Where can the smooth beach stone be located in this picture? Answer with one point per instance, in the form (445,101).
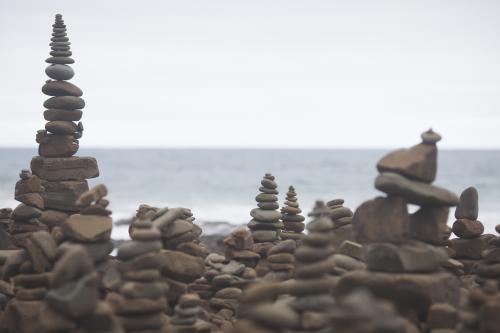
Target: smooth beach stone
(335,202)
(351,249)
(60,48)
(270,184)
(95,210)
(60,72)
(264,235)
(75,299)
(291,210)
(418,162)
(268,205)
(470,248)
(25,212)
(144,275)
(65,103)
(96,251)
(414,192)
(465,228)
(181,266)
(428,224)
(88,228)
(292,218)
(265,215)
(340,212)
(146,234)
(61,53)
(287,246)
(268,191)
(60,43)
(61,88)
(46,243)
(58,146)
(381,220)
(430,137)
(132,249)
(342,221)
(31,184)
(492,254)
(276,316)
(257,225)
(60,60)
(317,239)
(232,268)
(150,290)
(281,258)
(59,39)
(320,225)
(62,195)
(61,127)
(346,262)
(294,226)
(264,197)
(468,207)
(65,168)
(312,254)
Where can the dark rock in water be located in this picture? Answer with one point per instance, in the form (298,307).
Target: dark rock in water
(57,114)
(465,228)
(65,168)
(61,88)
(65,103)
(428,224)
(381,220)
(418,162)
(468,207)
(413,191)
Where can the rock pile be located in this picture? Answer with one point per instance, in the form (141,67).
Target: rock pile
(471,243)
(141,302)
(265,224)
(293,222)
(72,303)
(341,217)
(481,311)
(62,175)
(185,319)
(5,222)
(240,247)
(26,215)
(399,251)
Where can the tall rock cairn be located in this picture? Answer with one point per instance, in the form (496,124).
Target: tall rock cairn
(401,247)
(265,224)
(62,174)
(141,302)
(293,222)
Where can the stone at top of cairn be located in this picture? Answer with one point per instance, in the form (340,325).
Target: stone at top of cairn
(292,220)
(266,223)
(61,134)
(430,137)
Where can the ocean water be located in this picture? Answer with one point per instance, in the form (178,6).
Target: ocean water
(220,185)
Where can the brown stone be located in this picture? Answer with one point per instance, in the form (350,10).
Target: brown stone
(65,168)
(381,220)
(418,162)
(53,218)
(181,266)
(29,185)
(428,224)
(25,212)
(21,317)
(31,199)
(125,306)
(61,88)
(58,114)
(62,195)
(58,146)
(465,228)
(442,316)
(470,248)
(88,228)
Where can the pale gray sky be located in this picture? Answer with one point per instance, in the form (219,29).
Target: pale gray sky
(261,73)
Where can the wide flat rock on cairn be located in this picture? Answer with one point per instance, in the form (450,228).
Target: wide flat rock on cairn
(140,302)
(293,222)
(62,175)
(265,224)
(403,252)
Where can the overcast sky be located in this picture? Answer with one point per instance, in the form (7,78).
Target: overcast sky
(260,73)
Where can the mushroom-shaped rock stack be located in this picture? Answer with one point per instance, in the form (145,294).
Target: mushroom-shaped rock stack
(400,248)
(26,215)
(265,224)
(141,302)
(293,222)
(63,176)
(72,303)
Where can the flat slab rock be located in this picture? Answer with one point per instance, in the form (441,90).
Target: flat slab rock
(414,192)
(62,195)
(65,168)
(408,291)
(88,228)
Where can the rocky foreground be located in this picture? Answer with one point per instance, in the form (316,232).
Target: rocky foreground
(379,269)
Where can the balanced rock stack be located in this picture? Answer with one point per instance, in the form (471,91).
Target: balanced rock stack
(293,222)
(313,280)
(72,303)
(141,301)
(26,215)
(63,176)
(185,319)
(399,250)
(5,222)
(28,270)
(239,247)
(265,224)
(341,217)
(281,261)
(471,244)
(92,227)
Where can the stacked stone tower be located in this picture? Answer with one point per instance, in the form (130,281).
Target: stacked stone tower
(293,222)
(62,175)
